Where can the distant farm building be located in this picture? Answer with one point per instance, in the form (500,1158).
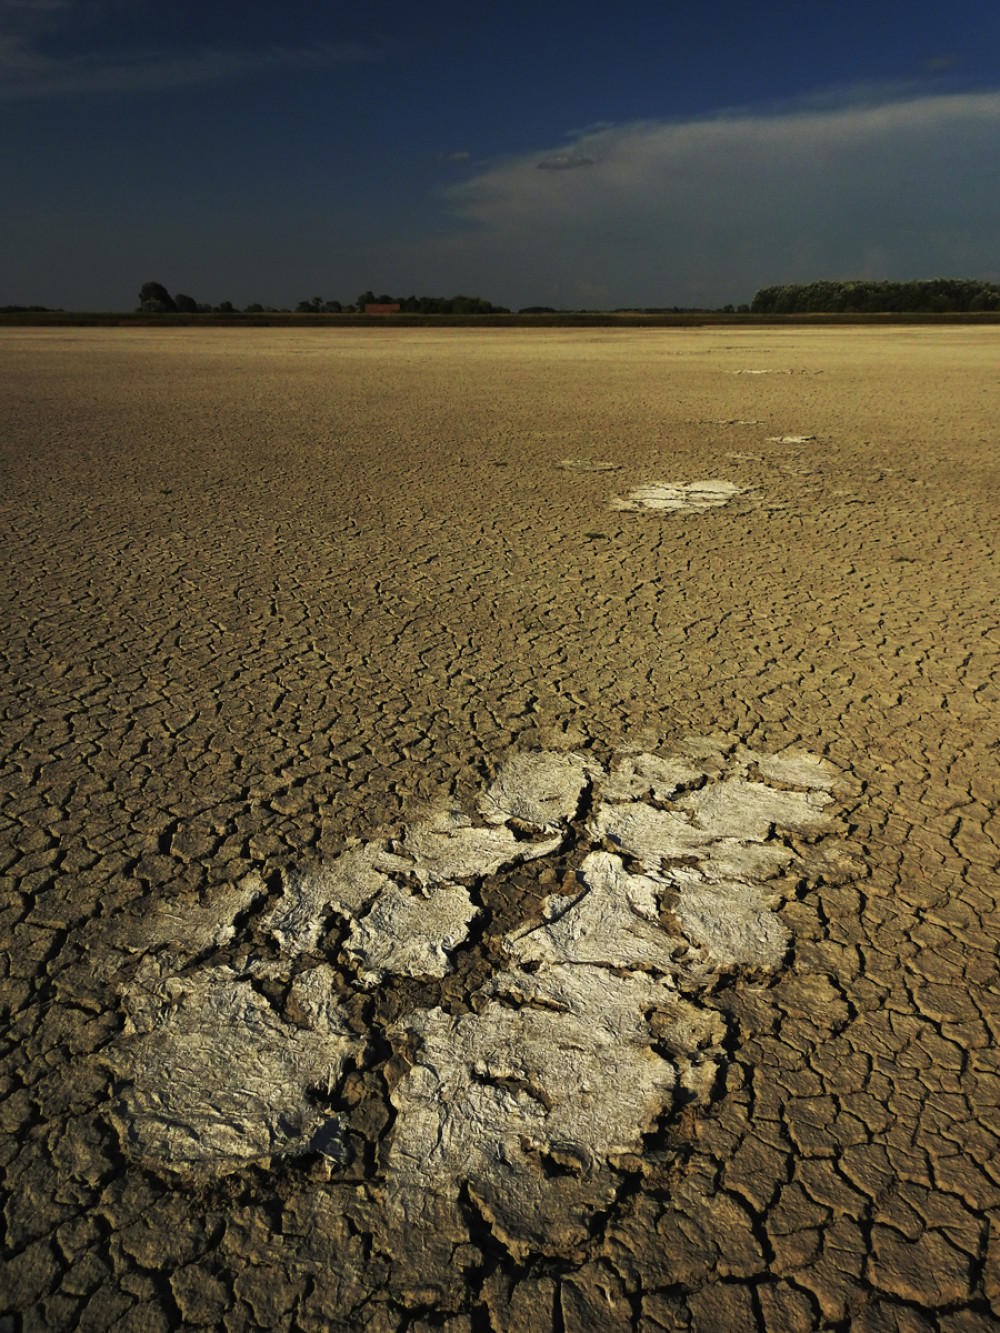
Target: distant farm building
(381,308)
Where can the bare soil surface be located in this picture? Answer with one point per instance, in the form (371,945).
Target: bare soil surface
(699,1032)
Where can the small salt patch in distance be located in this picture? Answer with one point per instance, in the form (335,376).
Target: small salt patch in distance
(588,465)
(693,496)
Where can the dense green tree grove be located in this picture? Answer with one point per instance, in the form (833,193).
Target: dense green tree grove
(935,295)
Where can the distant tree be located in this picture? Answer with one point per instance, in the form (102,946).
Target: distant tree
(187,305)
(254,309)
(155,299)
(226,308)
(366,298)
(332,307)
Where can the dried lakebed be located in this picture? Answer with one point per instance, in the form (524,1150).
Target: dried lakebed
(219,668)
(532,1098)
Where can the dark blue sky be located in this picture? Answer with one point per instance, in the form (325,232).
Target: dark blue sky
(558,153)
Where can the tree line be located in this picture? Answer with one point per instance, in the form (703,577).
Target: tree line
(409,305)
(154,299)
(931,296)
(824,296)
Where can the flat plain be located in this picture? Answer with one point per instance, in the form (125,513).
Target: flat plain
(278,598)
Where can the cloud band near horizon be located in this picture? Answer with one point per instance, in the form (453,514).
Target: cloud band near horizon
(696,213)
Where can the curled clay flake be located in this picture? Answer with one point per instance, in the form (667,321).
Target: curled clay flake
(798,768)
(643,775)
(650,835)
(449,846)
(748,810)
(570,1075)
(541,790)
(346,885)
(522,1106)
(754,861)
(733,924)
(407,936)
(223,1081)
(613,923)
(190,928)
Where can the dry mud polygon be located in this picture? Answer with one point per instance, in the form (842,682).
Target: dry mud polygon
(668,1037)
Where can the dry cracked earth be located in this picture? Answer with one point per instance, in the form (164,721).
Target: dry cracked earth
(499,830)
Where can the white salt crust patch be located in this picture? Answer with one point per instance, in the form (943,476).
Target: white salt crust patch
(678,496)
(614,922)
(346,887)
(193,928)
(218,1079)
(556,1072)
(576,1046)
(589,465)
(407,936)
(647,775)
(541,790)
(449,846)
(790,439)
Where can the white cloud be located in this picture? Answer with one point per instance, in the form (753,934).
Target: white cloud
(706,211)
(565,161)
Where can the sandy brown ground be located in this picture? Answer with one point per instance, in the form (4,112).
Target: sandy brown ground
(267,591)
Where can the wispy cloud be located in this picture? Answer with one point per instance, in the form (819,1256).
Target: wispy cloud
(940,64)
(565,161)
(27,72)
(705,211)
